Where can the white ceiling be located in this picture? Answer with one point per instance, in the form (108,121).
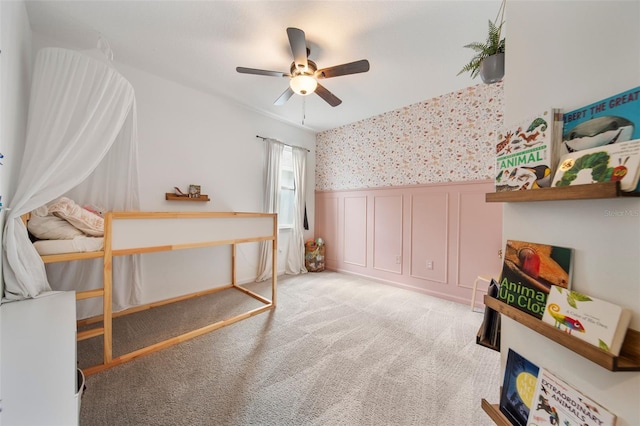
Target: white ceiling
(415,48)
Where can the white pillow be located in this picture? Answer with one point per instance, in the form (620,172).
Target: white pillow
(83,219)
(52,228)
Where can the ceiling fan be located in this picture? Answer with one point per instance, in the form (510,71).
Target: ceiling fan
(304,73)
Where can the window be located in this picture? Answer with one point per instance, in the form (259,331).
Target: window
(287,189)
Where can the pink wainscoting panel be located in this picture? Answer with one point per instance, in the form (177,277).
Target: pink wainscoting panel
(429,226)
(387,233)
(355,230)
(479,238)
(449,224)
(327,226)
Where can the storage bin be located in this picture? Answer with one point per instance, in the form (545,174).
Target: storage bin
(314,255)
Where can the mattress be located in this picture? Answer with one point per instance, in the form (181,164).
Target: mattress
(76,245)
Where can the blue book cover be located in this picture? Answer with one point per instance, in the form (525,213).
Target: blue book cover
(518,388)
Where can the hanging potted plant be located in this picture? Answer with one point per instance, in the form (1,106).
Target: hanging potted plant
(489,59)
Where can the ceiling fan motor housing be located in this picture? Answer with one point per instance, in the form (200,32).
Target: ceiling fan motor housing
(311,69)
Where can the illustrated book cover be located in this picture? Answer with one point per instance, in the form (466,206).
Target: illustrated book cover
(607,163)
(593,320)
(528,151)
(528,272)
(557,403)
(518,388)
(611,120)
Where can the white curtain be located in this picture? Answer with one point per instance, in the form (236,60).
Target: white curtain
(295,258)
(113,185)
(271,201)
(79,106)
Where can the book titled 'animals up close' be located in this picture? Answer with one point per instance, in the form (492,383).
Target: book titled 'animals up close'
(528,272)
(593,320)
(527,152)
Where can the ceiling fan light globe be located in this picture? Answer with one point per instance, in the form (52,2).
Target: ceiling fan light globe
(303,84)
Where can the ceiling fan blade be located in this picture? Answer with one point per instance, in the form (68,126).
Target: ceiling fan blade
(284,97)
(243,70)
(298,47)
(344,69)
(329,97)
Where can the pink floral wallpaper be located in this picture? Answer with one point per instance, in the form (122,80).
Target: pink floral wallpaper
(450,138)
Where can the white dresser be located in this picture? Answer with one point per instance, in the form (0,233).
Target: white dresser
(38,371)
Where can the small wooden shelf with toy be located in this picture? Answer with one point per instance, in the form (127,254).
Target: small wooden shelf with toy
(578,192)
(628,360)
(174,197)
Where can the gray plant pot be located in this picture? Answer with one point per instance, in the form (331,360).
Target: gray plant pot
(492,68)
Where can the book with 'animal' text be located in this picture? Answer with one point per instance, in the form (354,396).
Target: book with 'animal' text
(557,403)
(528,272)
(527,152)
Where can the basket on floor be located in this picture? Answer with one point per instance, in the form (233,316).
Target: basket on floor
(314,255)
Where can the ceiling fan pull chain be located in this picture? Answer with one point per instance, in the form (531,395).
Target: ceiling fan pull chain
(304,109)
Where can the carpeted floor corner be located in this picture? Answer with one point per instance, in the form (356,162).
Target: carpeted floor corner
(337,350)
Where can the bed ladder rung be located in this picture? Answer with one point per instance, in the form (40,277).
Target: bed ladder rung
(88,334)
(81,295)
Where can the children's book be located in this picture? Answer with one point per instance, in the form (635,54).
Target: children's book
(528,151)
(518,387)
(559,404)
(528,272)
(607,121)
(607,163)
(593,320)
(611,120)
(489,314)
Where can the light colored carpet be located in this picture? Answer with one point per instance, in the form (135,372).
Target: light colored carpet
(337,350)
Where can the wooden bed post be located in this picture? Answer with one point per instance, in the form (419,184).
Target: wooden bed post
(274,260)
(233,265)
(107,306)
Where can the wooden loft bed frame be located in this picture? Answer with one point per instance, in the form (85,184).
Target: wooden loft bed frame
(128,233)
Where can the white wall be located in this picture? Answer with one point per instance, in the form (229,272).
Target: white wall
(15,71)
(572,54)
(189,137)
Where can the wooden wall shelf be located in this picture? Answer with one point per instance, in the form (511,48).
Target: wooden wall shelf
(578,192)
(173,197)
(493,410)
(628,360)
